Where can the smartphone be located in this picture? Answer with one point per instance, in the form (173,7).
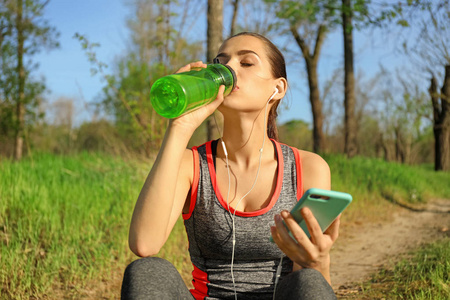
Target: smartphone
(325,205)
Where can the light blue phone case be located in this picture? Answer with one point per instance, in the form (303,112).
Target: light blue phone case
(325,205)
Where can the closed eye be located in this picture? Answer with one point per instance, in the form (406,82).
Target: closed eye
(246,64)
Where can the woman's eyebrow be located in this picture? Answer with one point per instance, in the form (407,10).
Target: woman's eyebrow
(240,52)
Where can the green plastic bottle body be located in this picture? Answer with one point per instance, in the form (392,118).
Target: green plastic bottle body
(174,95)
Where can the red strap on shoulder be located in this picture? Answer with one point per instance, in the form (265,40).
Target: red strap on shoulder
(194,187)
(298,164)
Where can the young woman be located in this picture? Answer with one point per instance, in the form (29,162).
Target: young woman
(233,193)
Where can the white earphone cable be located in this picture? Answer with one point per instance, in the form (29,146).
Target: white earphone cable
(233,216)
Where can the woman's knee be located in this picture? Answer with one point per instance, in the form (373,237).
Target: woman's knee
(148,265)
(304,284)
(152,278)
(308,276)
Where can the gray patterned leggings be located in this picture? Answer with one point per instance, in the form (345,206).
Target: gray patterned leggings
(156,278)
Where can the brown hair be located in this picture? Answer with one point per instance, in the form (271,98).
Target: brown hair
(278,64)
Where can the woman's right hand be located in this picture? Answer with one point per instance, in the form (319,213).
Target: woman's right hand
(192,120)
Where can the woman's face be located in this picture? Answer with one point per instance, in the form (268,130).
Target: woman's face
(247,55)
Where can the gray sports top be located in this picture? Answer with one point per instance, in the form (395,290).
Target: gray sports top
(209,230)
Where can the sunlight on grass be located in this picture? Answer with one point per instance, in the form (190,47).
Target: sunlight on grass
(425,274)
(64,219)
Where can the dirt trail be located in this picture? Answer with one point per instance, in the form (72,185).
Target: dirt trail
(362,249)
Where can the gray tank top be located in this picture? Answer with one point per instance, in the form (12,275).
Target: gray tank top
(209,230)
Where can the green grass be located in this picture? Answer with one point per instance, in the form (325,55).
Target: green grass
(368,177)
(370,180)
(423,275)
(64,219)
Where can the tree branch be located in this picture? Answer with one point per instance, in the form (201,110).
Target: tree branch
(233,19)
(319,41)
(434,100)
(301,43)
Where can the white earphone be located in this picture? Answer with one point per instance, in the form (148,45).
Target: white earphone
(273,95)
(232,216)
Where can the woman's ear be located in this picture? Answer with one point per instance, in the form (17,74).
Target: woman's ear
(281,86)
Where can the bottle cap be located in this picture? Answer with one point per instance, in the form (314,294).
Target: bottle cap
(234,76)
(217,62)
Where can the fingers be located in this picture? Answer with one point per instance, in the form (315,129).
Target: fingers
(281,230)
(211,107)
(282,238)
(188,67)
(296,231)
(306,252)
(333,229)
(313,226)
(298,248)
(299,237)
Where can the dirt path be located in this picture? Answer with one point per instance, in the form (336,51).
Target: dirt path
(364,248)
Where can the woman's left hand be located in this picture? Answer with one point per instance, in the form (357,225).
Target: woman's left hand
(306,252)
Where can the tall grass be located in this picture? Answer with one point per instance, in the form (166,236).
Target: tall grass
(371,177)
(64,219)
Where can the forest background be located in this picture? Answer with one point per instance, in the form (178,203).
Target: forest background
(341,101)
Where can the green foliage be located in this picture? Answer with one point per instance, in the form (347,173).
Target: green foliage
(37,35)
(308,12)
(425,275)
(156,49)
(97,136)
(296,133)
(89,48)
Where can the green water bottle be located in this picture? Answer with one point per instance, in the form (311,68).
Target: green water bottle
(176,94)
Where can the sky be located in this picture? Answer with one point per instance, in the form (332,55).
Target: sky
(67,69)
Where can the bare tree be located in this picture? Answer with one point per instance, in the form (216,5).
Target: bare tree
(441,122)
(349,82)
(311,57)
(430,52)
(214,40)
(309,22)
(234,17)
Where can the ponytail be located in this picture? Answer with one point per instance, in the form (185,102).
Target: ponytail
(272,130)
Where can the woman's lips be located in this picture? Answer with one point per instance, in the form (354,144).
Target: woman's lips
(235,88)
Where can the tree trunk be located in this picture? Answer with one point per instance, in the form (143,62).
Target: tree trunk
(350,147)
(316,107)
(399,145)
(436,126)
(233,19)
(441,122)
(311,61)
(214,40)
(445,116)
(20,111)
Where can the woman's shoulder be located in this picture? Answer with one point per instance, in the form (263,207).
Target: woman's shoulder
(187,164)
(315,170)
(312,159)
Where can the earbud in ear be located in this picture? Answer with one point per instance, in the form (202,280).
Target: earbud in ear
(273,95)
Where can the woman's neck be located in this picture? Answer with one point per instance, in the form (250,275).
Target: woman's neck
(244,137)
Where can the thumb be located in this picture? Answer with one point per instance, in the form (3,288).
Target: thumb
(211,107)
